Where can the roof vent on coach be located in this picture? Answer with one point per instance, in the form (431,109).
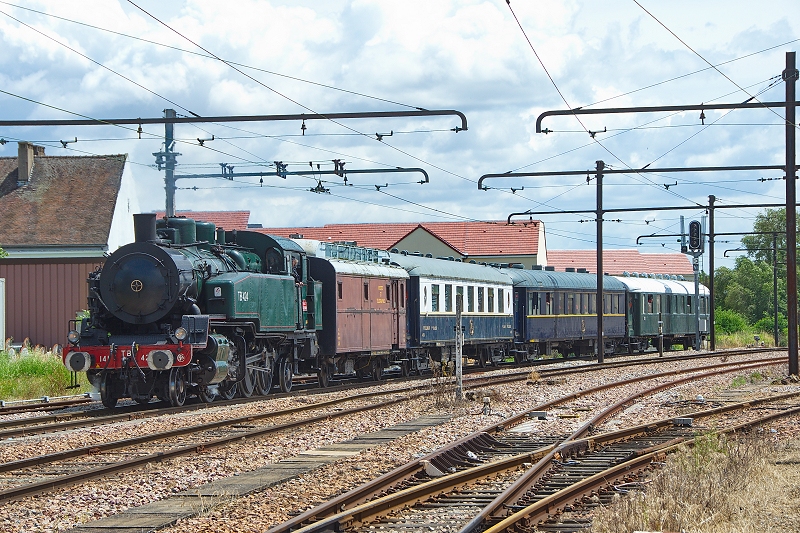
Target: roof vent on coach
(536,267)
(473,262)
(429,256)
(295,235)
(519,266)
(569,269)
(582,271)
(394,251)
(550,268)
(626,274)
(635,274)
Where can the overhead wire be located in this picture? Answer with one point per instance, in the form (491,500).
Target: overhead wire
(684,43)
(641,177)
(288,98)
(183,50)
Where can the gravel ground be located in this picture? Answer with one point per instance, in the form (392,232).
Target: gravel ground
(63,509)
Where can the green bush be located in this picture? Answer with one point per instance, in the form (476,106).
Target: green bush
(727,321)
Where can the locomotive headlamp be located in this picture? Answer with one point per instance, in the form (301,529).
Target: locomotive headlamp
(181,333)
(73,337)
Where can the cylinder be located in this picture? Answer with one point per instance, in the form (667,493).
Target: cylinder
(205,232)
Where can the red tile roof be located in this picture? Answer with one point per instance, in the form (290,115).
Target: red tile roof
(468,238)
(618,261)
(228,220)
(68,201)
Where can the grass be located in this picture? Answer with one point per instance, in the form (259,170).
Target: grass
(718,485)
(33,373)
(744,338)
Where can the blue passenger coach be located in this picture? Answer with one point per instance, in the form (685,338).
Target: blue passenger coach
(487,313)
(558,311)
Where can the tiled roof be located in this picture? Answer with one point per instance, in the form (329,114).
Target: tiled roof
(468,238)
(67,201)
(618,261)
(228,220)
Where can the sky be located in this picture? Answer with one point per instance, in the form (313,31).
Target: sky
(501,65)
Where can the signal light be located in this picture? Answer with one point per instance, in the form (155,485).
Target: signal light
(695,235)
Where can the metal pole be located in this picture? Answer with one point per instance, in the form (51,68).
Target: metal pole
(169,180)
(696,266)
(775,286)
(713,333)
(459,348)
(790,77)
(600,344)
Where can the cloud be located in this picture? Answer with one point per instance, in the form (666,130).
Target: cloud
(465,55)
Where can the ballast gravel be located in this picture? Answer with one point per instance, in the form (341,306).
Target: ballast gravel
(63,509)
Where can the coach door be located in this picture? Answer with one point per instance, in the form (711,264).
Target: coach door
(398,316)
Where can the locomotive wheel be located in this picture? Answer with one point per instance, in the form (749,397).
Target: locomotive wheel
(264,379)
(248,385)
(106,392)
(285,376)
(227,390)
(377,369)
(205,395)
(177,387)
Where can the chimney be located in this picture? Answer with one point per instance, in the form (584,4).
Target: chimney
(25,157)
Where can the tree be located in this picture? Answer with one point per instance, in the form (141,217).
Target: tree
(760,246)
(746,290)
(3,253)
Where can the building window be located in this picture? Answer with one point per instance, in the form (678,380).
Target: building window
(435,298)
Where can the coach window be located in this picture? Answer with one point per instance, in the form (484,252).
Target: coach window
(366,291)
(617,304)
(592,304)
(657,306)
(689,308)
(339,289)
(570,309)
(403,295)
(533,303)
(448,298)
(584,303)
(607,304)
(548,303)
(460,292)
(480,299)
(490,300)
(561,298)
(500,300)
(648,304)
(435,298)
(470,299)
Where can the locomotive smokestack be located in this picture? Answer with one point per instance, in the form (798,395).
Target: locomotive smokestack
(144,227)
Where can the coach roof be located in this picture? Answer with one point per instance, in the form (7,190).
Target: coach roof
(547,279)
(443,268)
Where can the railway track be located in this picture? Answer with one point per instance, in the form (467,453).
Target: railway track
(93,416)
(46,404)
(476,482)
